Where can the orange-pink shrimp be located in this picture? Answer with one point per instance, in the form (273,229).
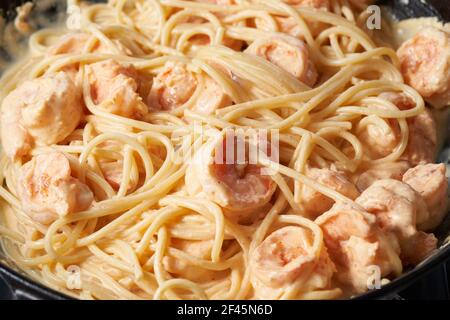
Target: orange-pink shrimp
(48,190)
(288,53)
(112,171)
(431,183)
(425,64)
(204,40)
(285,258)
(118,88)
(290,26)
(239,188)
(314,202)
(75,43)
(172,87)
(175,85)
(380,141)
(397,208)
(422,137)
(357,245)
(394,170)
(422,143)
(41,111)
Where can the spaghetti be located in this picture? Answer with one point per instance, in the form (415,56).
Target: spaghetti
(146,234)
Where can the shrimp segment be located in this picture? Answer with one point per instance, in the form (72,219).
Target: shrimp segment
(288,53)
(314,202)
(175,85)
(422,138)
(284,258)
(422,144)
(394,170)
(118,89)
(75,43)
(425,64)
(204,40)
(41,111)
(48,191)
(239,188)
(399,99)
(72,43)
(112,171)
(398,208)
(380,136)
(172,87)
(212,97)
(356,245)
(382,139)
(431,183)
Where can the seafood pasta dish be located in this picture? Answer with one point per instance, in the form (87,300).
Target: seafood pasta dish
(222,149)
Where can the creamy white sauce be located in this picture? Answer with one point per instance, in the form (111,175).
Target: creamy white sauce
(401,31)
(406,29)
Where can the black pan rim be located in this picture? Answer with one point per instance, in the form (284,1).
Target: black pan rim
(390,290)
(19,282)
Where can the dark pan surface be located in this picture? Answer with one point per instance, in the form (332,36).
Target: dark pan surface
(404,9)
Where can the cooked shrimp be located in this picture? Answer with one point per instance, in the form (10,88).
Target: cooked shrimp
(41,111)
(356,244)
(422,138)
(117,89)
(240,189)
(380,137)
(290,26)
(314,202)
(172,87)
(75,43)
(71,43)
(285,258)
(212,97)
(175,85)
(425,64)
(183,269)
(204,40)
(399,99)
(431,183)
(422,143)
(393,170)
(113,173)
(288,53)
(48,191)
(381,140)
(398,208)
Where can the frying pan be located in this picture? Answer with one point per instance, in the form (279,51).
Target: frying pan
(20,286)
